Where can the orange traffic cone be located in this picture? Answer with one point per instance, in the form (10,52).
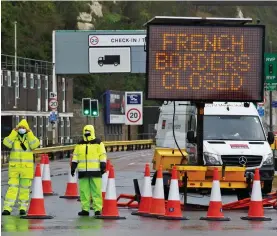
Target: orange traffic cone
(146,196)
(105,179)
(158,203)
(110,210)
(215,206)
(36,208)
(256,210)
(173,206)
(46,179)
(71,191)
(42,161)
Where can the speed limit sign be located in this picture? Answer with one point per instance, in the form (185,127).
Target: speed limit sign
(53,103)
(133,108)
(133,115)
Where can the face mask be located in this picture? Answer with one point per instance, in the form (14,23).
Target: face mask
(22,131)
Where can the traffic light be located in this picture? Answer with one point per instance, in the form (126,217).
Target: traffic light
(86,106)
(270,69)
(94,108)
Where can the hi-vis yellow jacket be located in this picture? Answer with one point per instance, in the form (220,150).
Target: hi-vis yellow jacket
(89,155)
(21,162)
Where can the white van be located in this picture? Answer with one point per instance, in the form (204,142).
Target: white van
(233,135)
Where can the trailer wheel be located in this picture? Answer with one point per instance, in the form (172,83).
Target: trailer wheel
(115,64)
(100,63)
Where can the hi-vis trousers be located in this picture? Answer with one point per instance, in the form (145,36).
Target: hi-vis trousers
(91,187)
(15,184)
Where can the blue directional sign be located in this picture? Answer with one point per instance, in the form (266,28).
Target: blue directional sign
(53,116)
(261,111)
(133,99)
(274,104)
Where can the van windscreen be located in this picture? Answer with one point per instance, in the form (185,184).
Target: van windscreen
(223,127)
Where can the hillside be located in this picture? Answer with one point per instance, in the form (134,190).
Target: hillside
(36,20)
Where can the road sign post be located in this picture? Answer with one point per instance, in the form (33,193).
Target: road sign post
(270,68)
(270,72)
(53,104)
(134,108)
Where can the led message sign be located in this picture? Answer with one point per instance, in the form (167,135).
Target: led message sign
(205,63)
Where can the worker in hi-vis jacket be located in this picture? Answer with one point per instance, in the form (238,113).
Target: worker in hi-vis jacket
(89,157)
(22,142)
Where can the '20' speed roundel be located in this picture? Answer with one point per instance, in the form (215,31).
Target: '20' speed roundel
(94,40)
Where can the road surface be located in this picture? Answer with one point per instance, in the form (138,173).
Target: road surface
(128,165)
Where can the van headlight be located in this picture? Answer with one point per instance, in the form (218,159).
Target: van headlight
(211,158)
(269,160)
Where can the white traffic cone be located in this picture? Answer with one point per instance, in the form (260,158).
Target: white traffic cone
(146,196)
(215,205)
(36,208)
(42,161)
(110,210)
(71,191)
(46,178)
(158,203)
(173,206)
(105,179)
(256,210)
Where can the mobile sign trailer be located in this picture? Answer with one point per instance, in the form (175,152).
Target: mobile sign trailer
(203,61)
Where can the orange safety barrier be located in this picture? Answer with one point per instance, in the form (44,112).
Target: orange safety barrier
(132,203)
(269,201)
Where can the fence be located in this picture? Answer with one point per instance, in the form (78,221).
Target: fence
(26,65)
(65,146)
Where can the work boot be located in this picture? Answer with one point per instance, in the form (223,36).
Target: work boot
(6,213)
(83,213)
(22,212)
(97,213)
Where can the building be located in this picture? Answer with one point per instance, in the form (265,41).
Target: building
(25,93)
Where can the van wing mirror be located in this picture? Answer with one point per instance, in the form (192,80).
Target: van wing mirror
(156,127)
(190,136)
(270,138)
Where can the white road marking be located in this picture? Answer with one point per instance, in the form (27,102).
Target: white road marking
(131,163)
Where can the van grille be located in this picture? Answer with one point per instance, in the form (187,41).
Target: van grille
(233,160)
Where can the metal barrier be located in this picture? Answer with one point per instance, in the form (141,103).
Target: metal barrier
(60,152)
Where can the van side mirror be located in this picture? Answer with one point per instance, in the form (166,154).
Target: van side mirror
(270,138)
(190,136)
(156,127)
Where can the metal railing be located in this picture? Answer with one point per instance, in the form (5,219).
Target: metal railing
(26,65)
(65,149)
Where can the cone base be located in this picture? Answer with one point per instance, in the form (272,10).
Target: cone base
(151,215)
(171,218)
(110,217)
(136,213)
(70,197)
(50,194)
(37,217)
(256,218)
(215,218)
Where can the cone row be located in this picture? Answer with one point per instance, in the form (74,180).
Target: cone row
(151,204)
